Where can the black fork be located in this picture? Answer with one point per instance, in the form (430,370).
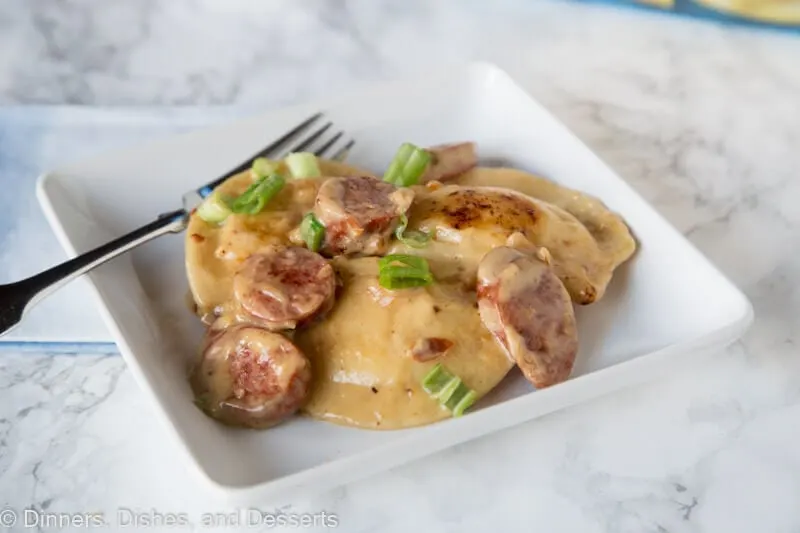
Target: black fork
(17,298)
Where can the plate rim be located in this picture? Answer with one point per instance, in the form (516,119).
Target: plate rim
(449,432)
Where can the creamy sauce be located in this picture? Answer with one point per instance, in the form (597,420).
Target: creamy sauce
(609,230)
(475,219)
(214,253)
(361,355)
(363,370)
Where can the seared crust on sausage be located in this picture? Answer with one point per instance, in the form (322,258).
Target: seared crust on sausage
(248,376)
(281,288)
(359,214)
(450,160)
(524,304)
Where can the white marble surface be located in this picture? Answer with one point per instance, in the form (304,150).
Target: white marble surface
(703,120)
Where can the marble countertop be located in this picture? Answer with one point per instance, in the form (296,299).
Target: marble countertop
(702,119)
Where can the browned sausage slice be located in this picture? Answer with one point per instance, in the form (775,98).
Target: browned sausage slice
(450,160)
(248,376)
(281,288)
(524,304)
(359,214)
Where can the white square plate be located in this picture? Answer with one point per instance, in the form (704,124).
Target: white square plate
(667,303)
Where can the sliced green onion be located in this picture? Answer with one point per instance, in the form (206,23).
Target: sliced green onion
(408,165)
(398,271)
(303,165)
(255,198)
(263,167)
(459,392)
(392,281)
(436,379)
(412,238)
(465,403)
(312,232)
(213,209)
(398,163)
(401,271)
(413,261)
(449,390)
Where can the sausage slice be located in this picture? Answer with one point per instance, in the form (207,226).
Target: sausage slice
(450,160)
(248,376)
(528,310)
(359,214)
(282,288)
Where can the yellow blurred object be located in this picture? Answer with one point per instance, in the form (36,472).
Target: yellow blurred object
(665,4)
(782,14)
(777,11)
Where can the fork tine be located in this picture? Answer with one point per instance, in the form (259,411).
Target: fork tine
(274,150)
(267,151)
(275,145)
(319,152)
(338,155)
(342,153)
(302,145)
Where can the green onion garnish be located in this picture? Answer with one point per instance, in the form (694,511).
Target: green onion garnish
(412,238)
(263,167)
(303,165)
(413,261)
(253,200)
(449,390)
(408,165)
(436,379)
(213,209)
(464,403)
(401,271)
(458,396)
(312,232)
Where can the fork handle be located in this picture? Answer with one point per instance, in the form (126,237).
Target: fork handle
(16,298)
